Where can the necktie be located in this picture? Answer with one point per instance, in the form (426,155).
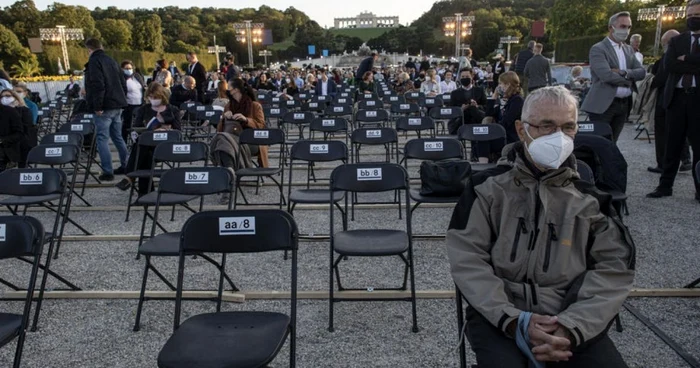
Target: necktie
(687,81)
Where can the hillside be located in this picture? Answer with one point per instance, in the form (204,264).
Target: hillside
(363,33)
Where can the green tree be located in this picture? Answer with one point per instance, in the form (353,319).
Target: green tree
(116,33)
(147,34)
(71,17)
(570,19)
(22,18)
(11,50)
(26,68)
(309,34)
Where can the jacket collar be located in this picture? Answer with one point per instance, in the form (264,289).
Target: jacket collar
(513,155)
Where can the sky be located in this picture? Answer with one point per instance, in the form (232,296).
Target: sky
(321,11)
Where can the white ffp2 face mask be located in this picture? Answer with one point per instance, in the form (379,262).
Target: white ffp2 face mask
(550,151)
(7,101)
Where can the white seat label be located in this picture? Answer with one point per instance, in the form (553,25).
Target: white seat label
(60,139)
(53,152)
(338,109)
(196,177)
(209,113)
(480,130)
(76,127)
(585,127)
(318,148)
(290,102)
(181,148)
(414,121)
(342,100)
(371,114)
(328,122)
(404,106)
(261,134)
(2,233)
(237,226)
(89,116)
(374,134)
(31,178)
(445,111)
(160,136)
(274,111)
(298,116)
(85,121)
(432,147)
(394,98)
(369,174)
(430,100)
(371,103)
(313,104)
(368,96)
(201,108)
(260,97)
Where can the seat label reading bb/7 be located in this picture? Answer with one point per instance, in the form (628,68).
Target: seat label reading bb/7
(369,174)
(196,178)
(236,226)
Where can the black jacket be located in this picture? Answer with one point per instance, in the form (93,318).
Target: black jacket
(74,91)
(200,77)
(180,94)
(11,132)
(680,45)
(105,88)
(458,97)
(522,59)
(145,114)
(366,65)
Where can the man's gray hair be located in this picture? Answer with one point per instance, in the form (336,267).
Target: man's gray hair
(614,18)
(542,98)
(636,36)
(531,44)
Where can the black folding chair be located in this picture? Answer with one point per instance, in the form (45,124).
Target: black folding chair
(299,119)
(387,137)
(371,178)
(695,282)
(26,187)
(67,139)
(20,236)
(404,109)
(339,100)
(181,185)
(292,105)
(370,104)
(367,96)
(329,127)
(595,128)
(88,149)
(147,141)
(431,103)
(416,124)
(442,115)
(378,117)
(233,339)
(262,137)
(338,111)
(480,133)
(392,99)
(414,97)
(274,113)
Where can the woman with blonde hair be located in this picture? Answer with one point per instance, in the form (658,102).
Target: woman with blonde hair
(511,106)
(163,77)
(404,84)
(431,86)
(221,99)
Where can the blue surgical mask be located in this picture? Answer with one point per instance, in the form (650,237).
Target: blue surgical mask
(128,72)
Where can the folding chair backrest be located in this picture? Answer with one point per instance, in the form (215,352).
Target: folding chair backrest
(262,137)
(192,109)
(197,180)
(345,94)
(407,123)
(585,171)
(32,182)
(433,149)
(445,112)
(338,110)
(20,236)
(340,100)
(369,177)
(302,117)
(303,96)
(329,124)
(82,115)
(276,100)
(374,136)
(446,98)
(481,132)
(181,152)
(263,97)
(392,99)
(154,138)
(321,99)
(372,116)
(319,151)
(370,104)
(596,128)
(75,139)
(186,106)
(53,154)
(431,102)
(292,104)
(404,108)
(414,96)
(77,127)
(239,231)
(314,106)
(209,114)
(366,96)
(275,112)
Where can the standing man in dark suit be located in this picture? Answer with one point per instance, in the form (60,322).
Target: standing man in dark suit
(682,101)
(614,71)
(366,65)
(197,71)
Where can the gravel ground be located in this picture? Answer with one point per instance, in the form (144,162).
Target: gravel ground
(97,333)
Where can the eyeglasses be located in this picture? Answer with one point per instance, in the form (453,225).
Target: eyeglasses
(549,128)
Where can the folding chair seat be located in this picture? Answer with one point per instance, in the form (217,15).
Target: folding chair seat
(387,137)
(21,237)
(147,141)
(329,126)
(190,182)
(370,104)
(39,184)
(262,137)
(416,124)
(442,115)
(241,338)
(378,117)
(381,242)
(481,133)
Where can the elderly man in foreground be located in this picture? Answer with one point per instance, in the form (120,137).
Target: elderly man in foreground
(542,266)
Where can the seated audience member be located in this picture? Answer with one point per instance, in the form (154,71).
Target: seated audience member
(447,85)
(10,135)
(431,86)
(403,84)
(156,114)
(184,92)
(470,98)
(310,84)
(543,269)
(28,138)
(290,89)
(73,88)
(163,76)
(213,81)
(325,86)
(221,99)
(22,91)
(264,83)
(367,83)
(509,112)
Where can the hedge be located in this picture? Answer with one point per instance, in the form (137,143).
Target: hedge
(576,49)
(143,60)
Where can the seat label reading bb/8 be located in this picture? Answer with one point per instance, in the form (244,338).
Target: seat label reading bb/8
(369,174)
(237,226)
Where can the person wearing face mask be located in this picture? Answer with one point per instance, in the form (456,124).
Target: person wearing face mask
(508,112)
(290,89)
(431,86)
(325,86)
(28,139)
(533,254)
(156,114)
(448,85)
(135,86)
(614,71)
(23,92)
(470,98)
(682,102)
(11,132)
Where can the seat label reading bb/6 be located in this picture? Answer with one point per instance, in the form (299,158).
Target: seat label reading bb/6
(31,178)
(369,174)
(237,226)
